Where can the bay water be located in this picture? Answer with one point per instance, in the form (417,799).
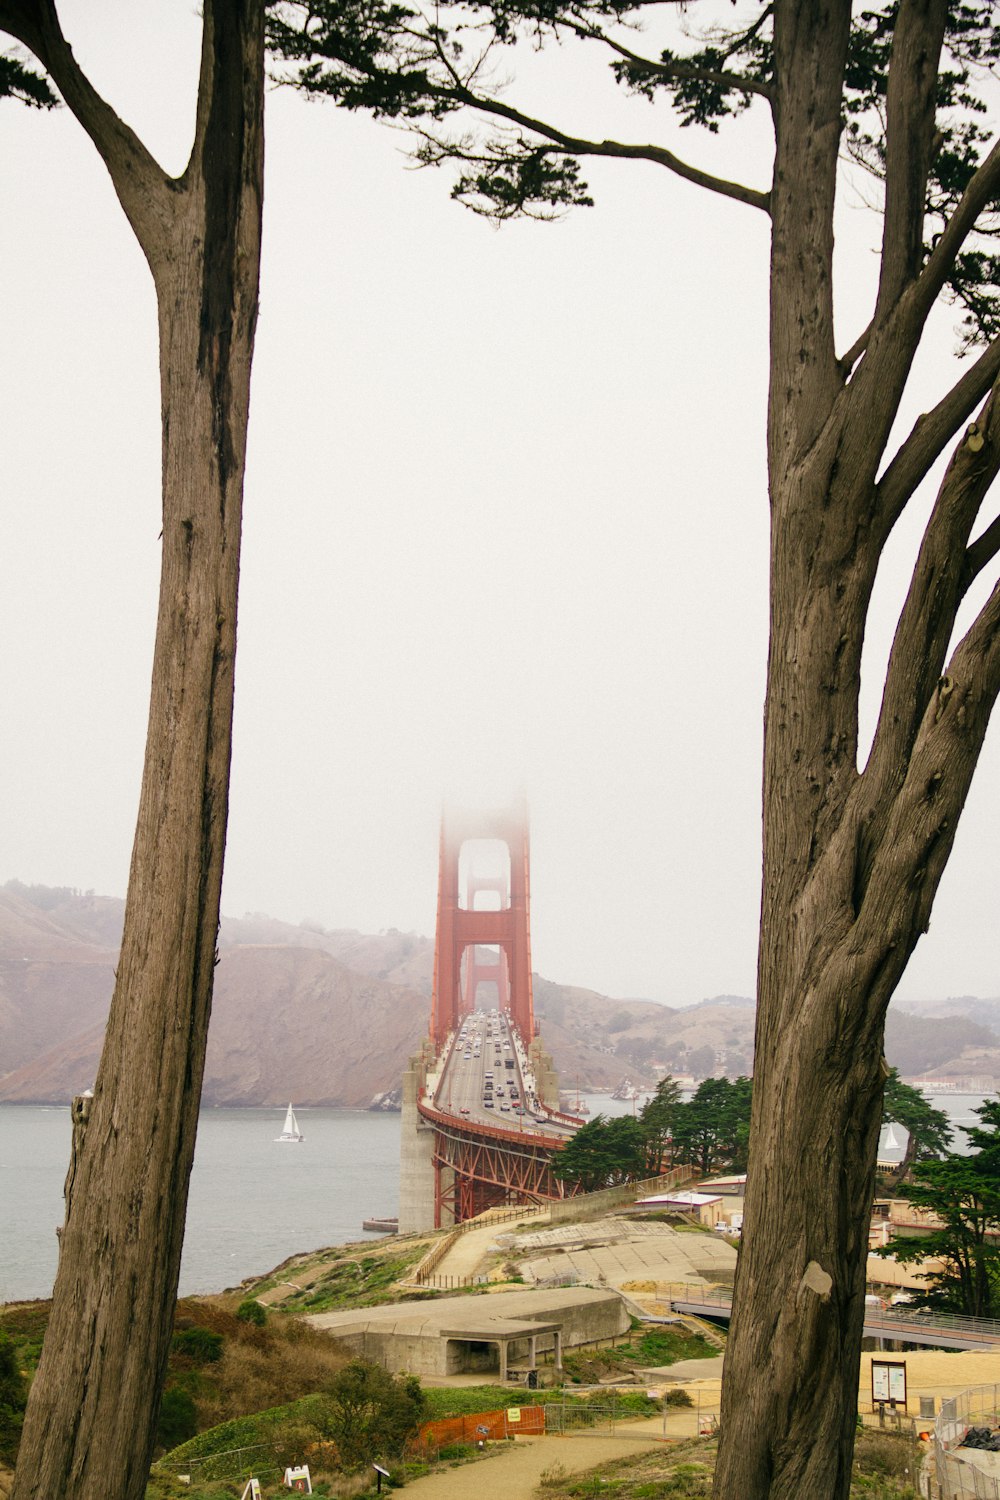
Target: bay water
(254,1201)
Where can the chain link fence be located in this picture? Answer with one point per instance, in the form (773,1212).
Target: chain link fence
(959,1476)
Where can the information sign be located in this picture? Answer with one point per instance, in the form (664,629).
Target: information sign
(888,1382)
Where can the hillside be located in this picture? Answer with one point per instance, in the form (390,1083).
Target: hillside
(331,1016)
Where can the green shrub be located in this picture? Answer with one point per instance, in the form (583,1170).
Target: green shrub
(178,1417)
(199,1344)
(13,1396)
(456,1451)
(252,1311)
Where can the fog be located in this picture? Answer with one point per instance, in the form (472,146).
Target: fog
(506,528)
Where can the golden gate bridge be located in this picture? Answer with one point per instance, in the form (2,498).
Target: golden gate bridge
(481,1120)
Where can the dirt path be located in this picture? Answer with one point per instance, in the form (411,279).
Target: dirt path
(516,1471)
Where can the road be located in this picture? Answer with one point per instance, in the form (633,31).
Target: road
(487,1080)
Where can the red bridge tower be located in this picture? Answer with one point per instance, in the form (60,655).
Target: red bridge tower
(461,929)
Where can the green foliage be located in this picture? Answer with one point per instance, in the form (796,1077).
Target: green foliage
(178,1417)
(252,1311)
(259,1429)
(658,1119)
(421,63)
(25,1323)
(712,1131)
(354,1282)
(20,82)
(370,1413)
(13,1398)
(457,1451)
(603,1153)
(656,1347)
(198,1344)
(929,1129)
(964,1191)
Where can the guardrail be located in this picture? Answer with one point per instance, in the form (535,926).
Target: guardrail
(891,1322)
(987,1328)
(492,1132)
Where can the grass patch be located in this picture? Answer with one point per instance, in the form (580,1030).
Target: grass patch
(462,1401)
(884,1469)
(656,1346)
(25,1323)
(262,1428)
(352,1281)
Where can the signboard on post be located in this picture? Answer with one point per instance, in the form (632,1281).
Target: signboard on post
(889,1382)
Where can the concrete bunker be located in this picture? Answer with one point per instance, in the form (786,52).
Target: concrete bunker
(501,1333)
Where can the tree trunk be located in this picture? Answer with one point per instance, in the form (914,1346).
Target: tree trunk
(91,1420)
(851,860)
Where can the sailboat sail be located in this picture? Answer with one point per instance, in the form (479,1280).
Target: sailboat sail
(291,1131)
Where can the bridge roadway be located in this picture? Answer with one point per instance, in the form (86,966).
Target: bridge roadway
(486,1081)
(902,1324)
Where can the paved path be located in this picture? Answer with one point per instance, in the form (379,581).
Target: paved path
(464,1257)
(516,1471)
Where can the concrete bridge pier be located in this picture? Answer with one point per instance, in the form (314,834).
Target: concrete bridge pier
(416,1149)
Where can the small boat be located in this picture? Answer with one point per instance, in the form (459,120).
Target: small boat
(291,1131)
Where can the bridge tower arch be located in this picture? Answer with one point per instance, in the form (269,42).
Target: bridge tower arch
(462,929)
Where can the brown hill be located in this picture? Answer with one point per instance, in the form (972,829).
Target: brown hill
(330,1017)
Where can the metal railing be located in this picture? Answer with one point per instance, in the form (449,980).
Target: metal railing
(958,1476)
(986,1328)
(891,1322)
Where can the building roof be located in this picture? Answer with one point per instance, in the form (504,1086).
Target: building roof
(493,1316)
(683,1200)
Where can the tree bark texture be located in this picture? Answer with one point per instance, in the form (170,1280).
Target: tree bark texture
(852,858)
(91,1420)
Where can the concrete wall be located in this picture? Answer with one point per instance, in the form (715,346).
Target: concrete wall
(599,1318)
(596,1205)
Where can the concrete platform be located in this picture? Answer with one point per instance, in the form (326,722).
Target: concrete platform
(618,1252)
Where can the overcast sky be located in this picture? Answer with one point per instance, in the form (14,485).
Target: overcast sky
(506,526)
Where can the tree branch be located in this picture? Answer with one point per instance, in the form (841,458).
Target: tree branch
(579,146)
(673,69)
(983,189)
(139,181)
(981,552)
(911,92)
(940,580)
(932,432)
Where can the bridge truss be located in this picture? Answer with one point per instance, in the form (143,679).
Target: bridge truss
(476,1167)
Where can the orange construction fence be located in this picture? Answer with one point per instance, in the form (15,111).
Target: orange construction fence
(509,1422)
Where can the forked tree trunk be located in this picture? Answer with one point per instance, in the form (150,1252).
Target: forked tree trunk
(91,1419)
(852,859)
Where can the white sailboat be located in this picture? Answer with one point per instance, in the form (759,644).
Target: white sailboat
(291,1131)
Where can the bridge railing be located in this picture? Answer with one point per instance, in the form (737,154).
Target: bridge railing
(988,1328)
(890,1321)
(507,1134)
